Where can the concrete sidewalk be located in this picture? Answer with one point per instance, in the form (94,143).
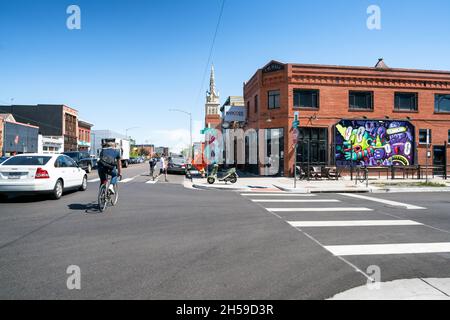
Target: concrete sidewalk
(408,289)
(343,185)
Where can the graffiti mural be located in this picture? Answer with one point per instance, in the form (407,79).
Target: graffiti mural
(374,143)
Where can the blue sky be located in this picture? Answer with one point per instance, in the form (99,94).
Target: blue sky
(133,60)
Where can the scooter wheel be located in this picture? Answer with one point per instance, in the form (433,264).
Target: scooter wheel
(211,180)
(233,180)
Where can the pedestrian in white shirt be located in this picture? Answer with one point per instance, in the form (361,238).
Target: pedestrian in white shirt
(163,164)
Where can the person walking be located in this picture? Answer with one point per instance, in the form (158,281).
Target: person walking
(163,163)
(152,163)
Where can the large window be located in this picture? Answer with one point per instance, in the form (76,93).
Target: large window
(306,99)
(449,136)
(312,146)
(442,103)
(361,100)
(423,136)
(405,101)
(256,104)
(273,99)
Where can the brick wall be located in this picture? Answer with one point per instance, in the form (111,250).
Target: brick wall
(334,84)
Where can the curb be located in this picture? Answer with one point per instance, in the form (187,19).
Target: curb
(202,187)
(405,190)
(309,190)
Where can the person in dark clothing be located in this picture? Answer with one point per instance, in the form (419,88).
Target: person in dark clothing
(109,164)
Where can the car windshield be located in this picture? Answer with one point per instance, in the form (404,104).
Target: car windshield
(73,155)
(27,161)
(178,161)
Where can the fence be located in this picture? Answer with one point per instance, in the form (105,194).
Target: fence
(315,156)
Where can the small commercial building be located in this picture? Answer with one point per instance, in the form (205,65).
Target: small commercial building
(17,138)
(84,135)
(58,124)
(373,116)
(234,113)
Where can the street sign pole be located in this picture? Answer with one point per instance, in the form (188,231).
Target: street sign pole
(295,127)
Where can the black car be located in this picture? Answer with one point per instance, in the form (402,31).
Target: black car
(177,165)
(83,159)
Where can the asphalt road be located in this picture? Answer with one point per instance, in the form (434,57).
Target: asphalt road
(163,241)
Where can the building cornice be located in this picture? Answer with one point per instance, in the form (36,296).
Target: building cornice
(364,81)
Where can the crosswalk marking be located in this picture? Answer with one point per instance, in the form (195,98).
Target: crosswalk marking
(324,209)
(152,182)
(129,179)
(386,249)
(278,195)
(389,202)
(94,180)
(353,223)
(297,201)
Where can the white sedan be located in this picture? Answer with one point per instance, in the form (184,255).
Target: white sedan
(41,173)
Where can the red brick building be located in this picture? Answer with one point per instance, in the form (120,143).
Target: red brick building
(352,107)
(84,135)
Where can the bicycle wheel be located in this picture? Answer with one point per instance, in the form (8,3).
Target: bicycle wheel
(362,177)
(102,198)
(114,197)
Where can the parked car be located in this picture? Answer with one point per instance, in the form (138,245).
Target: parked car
(3,159)
(177,165)
(83,159)
(133,160)
(41,173)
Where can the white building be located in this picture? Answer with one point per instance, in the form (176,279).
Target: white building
(50,145)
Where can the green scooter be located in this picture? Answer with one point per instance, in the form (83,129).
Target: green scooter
(229,176)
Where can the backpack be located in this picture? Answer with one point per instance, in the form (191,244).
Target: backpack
(109,157)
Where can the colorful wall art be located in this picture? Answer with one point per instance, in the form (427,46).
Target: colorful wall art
(374,143)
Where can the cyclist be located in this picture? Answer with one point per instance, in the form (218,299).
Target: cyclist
(109,164)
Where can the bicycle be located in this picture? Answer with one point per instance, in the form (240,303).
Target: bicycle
(365,177)
(105,197)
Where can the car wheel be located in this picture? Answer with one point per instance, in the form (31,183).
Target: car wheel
(89,168)
(58,190)
(83,186)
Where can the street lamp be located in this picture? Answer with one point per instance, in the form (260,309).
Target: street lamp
(190,129)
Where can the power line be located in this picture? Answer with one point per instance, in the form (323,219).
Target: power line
(211,51)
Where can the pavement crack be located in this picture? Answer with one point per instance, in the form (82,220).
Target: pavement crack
(444,293)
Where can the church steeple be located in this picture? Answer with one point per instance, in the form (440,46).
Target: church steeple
(212,82)
(212,96)
(212,106)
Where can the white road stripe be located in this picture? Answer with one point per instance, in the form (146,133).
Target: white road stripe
(152,182)
(317,209)
(94,180)
(389,202)
(379,249)
(129,179)
(355,223)
(278,195)
(299,201)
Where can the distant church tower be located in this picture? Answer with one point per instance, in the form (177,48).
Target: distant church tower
(212,106)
